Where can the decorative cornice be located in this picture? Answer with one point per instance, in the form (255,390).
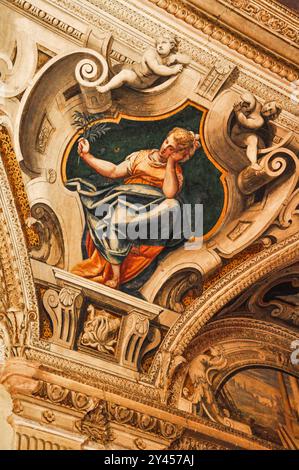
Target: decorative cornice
(143,422)
(177,8)
(225,36)
(41,15)
(206,57)
(189,443)
(278,6)
(93,377)
(99,414)
(161,420)
(147,25)
(64,397)
(280,20)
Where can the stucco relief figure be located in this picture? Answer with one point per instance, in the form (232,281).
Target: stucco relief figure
(100,330)
(163,61)
(250,126)
(200,372)
(151,181)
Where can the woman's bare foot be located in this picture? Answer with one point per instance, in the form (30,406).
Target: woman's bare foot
(114,283)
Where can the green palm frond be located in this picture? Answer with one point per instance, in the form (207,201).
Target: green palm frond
(84,122)
(97,131)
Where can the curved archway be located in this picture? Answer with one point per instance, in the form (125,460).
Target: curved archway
(227,288)
(225,348)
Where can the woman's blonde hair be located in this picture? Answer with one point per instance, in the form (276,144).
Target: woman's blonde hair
(184,138)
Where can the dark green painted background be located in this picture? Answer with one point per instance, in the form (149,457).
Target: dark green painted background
(201,178)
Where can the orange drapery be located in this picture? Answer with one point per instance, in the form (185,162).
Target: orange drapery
(97,269)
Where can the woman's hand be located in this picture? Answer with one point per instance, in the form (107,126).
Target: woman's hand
(177,157)
(182,155)
(103,167)
(83,147)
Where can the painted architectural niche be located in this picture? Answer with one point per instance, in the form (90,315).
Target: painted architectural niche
(117,327)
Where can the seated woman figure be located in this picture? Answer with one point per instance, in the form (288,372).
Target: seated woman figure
(152,179)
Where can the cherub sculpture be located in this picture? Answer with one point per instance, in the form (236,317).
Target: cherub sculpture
(162,61)
(251,122)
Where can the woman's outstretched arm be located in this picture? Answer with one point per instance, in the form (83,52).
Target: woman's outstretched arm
(104,168)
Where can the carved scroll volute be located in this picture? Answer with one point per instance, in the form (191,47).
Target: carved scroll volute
(51,245)
(64,309)
(16,41)
(290,211)
(172,292)
(273,165)
(90,73)
(99,41)
(285,307)
(134,332)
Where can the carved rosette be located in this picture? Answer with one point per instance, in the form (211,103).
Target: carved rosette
(100,331)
